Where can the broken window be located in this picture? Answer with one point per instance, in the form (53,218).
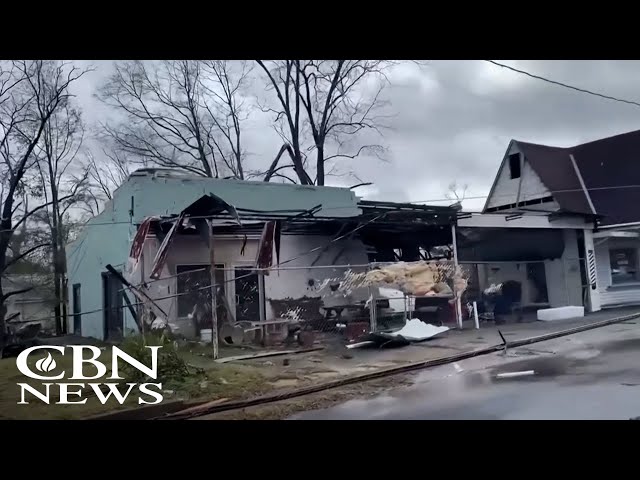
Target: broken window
(514,165)
(192,281)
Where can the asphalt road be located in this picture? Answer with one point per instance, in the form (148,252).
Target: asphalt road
(591,375)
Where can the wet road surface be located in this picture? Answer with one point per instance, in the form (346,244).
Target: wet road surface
(591,375)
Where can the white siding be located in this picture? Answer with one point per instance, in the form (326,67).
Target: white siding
(564,282)
(505,191)
(618,295)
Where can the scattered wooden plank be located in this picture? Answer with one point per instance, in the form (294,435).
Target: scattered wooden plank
(202,406)
(360,344)
(266,354)
(142,413)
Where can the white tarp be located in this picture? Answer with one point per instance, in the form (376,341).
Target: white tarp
(416,330)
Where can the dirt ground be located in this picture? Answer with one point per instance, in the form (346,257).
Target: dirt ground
(285,408)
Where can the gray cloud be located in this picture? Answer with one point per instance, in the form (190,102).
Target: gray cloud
(453,120)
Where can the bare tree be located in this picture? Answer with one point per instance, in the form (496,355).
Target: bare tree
(456,193)
(63,188)
(339,100)
(30,93)
(104,177)
(178,114)
(284,78)
(227,109)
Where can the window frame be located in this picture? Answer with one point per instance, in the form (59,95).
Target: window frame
(196,266)
(518,161)
(633,259)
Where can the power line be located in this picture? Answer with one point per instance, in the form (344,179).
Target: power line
(525,197)
(308,252)
(554,82)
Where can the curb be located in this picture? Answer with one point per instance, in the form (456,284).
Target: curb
(271,398)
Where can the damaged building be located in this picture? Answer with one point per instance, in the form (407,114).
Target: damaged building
(280,251)
(283,253)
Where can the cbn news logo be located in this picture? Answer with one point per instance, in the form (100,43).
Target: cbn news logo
(71,393)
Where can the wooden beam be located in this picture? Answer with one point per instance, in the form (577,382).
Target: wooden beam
(214,293)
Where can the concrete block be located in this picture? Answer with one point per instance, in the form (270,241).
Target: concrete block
(560,313)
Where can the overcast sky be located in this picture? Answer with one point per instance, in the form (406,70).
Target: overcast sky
(454,119)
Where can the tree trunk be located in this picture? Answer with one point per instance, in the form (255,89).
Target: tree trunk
(5,238)
(320,165)
(64,281)
(65,296)
(3,312)
(57,286)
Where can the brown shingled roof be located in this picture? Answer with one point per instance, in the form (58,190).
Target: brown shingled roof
(609,167)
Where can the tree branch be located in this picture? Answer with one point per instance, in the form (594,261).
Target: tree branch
(15,260)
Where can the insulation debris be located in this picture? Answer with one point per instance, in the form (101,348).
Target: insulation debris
(420,278)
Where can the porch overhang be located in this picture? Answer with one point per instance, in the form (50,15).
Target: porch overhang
(524,220)
(616,234)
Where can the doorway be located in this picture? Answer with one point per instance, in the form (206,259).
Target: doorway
(113,296)
(77,308)
(536,273)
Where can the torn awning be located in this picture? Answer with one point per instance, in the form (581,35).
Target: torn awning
(138,244)
(270,238)
(163,251)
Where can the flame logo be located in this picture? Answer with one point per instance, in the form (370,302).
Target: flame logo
(46,364)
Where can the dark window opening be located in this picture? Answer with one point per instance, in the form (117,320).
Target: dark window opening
(248,286)
(193,294)
(624,265)
(514,165)
(77,308)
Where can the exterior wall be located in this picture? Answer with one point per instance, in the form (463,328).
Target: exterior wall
(505,190)
(591,271)
(39,310)
(287,283)
(106,239)
(564,282)
(618,294)
(499,220)
(87,257)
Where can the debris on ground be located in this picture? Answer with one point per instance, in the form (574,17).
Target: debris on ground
(414,330)
(266,354)
(516,374)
